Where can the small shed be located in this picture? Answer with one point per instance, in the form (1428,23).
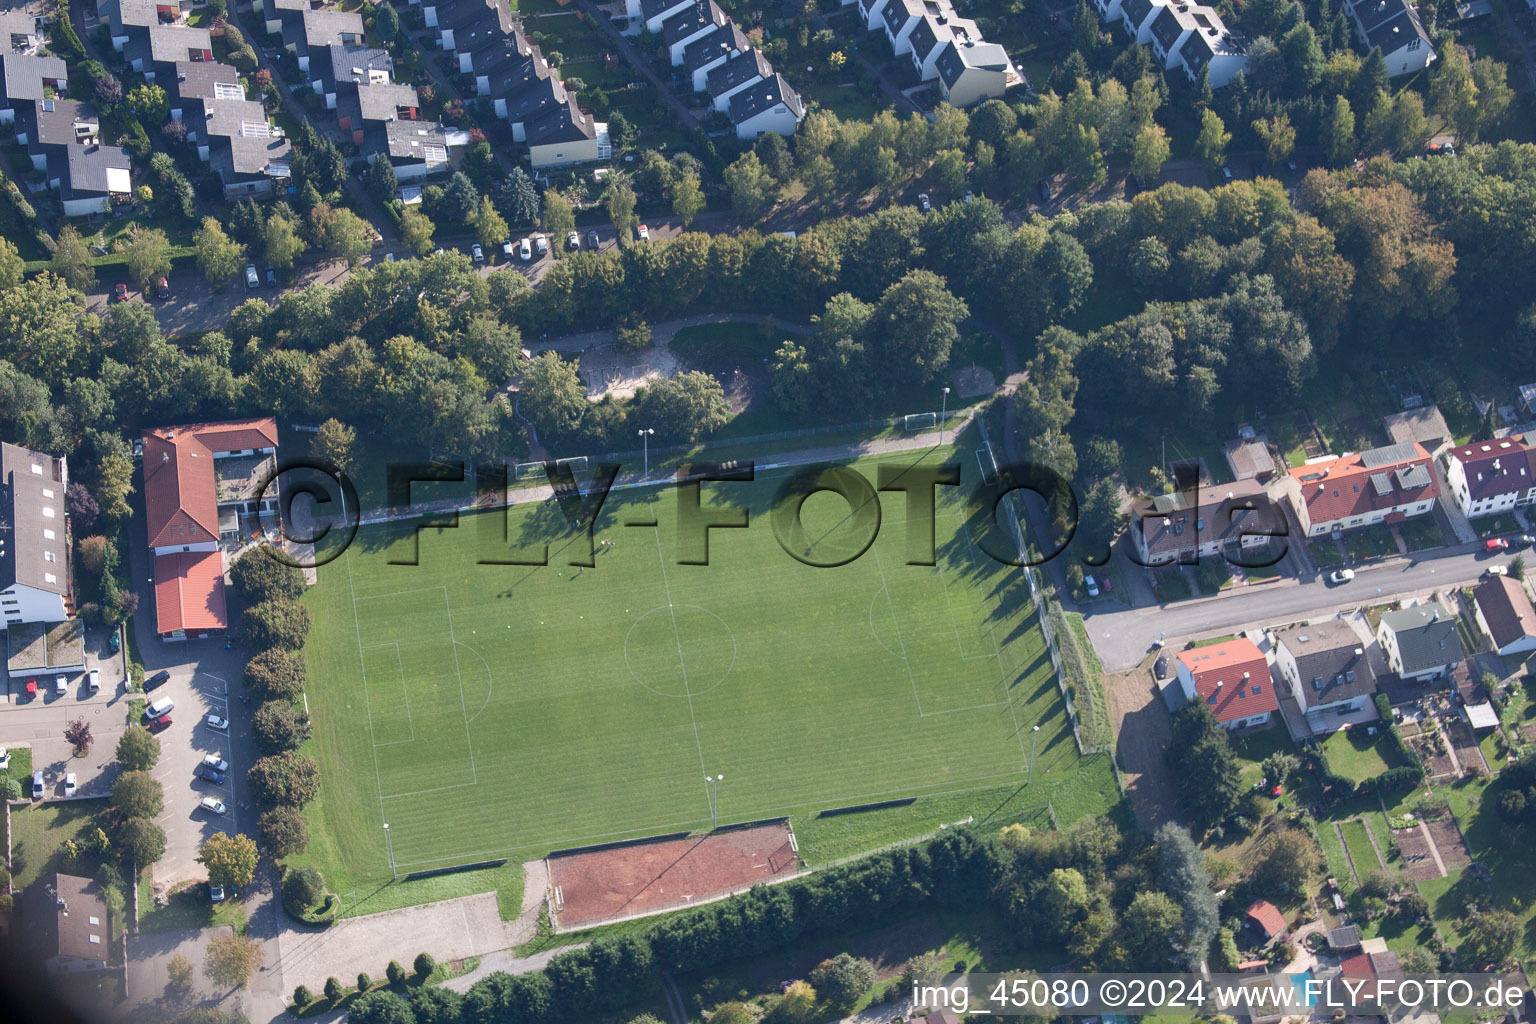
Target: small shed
(1482,716)
(1424,425)
(1267,918)
(1344,939)
(1249,458)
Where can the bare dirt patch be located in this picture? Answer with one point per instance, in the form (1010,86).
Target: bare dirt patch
(973,380)
(1448,840)
(1527,732)
(1141,736)
(1467,752)
(593,886)
(1436,765)
(1417,860)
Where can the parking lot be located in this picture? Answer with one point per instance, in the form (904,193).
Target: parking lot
(38,721)
(196,695)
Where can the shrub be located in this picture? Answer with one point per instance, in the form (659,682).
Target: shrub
(303,888)
(843,979)
(364,983)
(284,831)
(333,989)
(302,996)
(395,973)
(424,965)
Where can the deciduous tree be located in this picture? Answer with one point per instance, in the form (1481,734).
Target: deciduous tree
(219,257)
(230,859)
(138,749)
(232,959)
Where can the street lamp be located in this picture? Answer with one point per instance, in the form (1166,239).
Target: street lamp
(712,790)
(943,414)
(389,843)
(1034,738)
(645,441)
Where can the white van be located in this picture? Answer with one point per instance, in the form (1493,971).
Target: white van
(160,707)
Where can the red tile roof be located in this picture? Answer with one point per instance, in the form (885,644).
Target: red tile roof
(1363,482)
(189,592)
(180,495)
(1515,472)
(1236,674)
(1267,917)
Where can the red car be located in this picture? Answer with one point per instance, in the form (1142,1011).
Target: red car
(120,292)
(162,288)
(31,688)
(1495,544)
(160,724)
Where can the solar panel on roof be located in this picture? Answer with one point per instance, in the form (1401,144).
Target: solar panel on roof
(1387,455)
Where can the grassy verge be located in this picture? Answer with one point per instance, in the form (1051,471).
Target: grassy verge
(1358,842)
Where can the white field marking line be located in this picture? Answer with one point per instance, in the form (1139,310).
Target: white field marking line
(489,681)
(681,664)
(872,629)
(886,586)
(990,781)
(434,789)
(402,593)
(404,695)
(955,622)
(469,742)
(357,629)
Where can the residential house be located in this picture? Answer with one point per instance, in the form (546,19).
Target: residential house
(1226,520)
(1343,492)
(466,25)
(1423,424)
(199,480)
(1420,642)
(27,77)
(740,72)
(711,50)
(545,94)
(35,570)
(972,72)
(1393,27)
(73,925)
(898,18)
(129,20)
(1137,19)
(649,14)
(95,177)
(1325,664)
(338,69)
(1218,52)
(565,136)
(317,29)
(871,12)
(165,46)
(1249,458)
(416,148)
(1232,677)
(1493,476)
(683,27)
(233,135)
(1504,612)
(279,14)
(1109,10)
(49,128)
(930,36)
(1171,26)
(768,106)
(20,31)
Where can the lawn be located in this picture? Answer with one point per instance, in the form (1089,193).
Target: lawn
(1357,755)
(1369,542)
(462,703)
(1358,842)
(38,830)
(1422,533)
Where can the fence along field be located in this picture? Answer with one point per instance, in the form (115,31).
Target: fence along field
(508,710)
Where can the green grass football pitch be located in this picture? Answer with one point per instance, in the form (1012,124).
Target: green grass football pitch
(491,711)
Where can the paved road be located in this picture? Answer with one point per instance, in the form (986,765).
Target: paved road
(1124,636)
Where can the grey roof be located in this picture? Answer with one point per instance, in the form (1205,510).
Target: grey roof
(1414,476)
(1203,46)
(1347,937)
(137,13)
(323,28)
(1424,424)
(747,66)
(57,121)
(252,145)
(17,23)
(763,96)
(955,58)
(560,124)
(546,93)
(88,166)
(1426,637)
(1389,24)
(713,45)
(1330,660)
(200,79)
(1166,28)
(171,43)
(1388,455)
(25,512)
(344,63)
(471,19)
(407,138)
(1222,514)
(73,920)
(650,8)
(689,20)
(1136,11)
(382,101)
(25,73)
(925,35)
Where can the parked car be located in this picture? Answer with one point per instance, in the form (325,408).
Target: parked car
(592,240)
(1160,668)
(60,685)
(120,292)
(1495,570)
(213,804)
(1341,576)
(476,253)
(5,760)
(541,243)
(162,288)
(573,241)
(969,197)
(507,248)
(1493,544)
(160,724)
(210,774)
(215,894)
(1226,173)
(525,250)
(643,233)
(271,277)
(215,722)
(922,202)
(93,680)
(1525,540)
(37,784)
(252,282)
(69,784)
(1441,149)
(157,680)
(1091,584)
(216,762)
